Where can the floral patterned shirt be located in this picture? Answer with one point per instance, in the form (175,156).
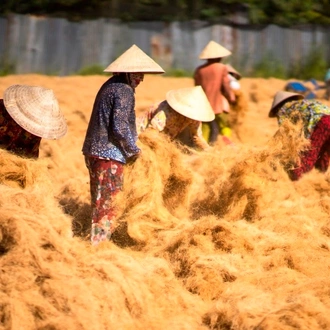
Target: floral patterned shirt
(310,111)
(111,132)
(318,155)
(163,118)
(16,139)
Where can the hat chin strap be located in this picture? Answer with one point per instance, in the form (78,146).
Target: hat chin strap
(129,80)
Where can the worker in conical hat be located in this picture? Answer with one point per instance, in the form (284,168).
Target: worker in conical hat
(239,107)
(28,114)
(213,77)
(111,137)
(182,110)
(315,118)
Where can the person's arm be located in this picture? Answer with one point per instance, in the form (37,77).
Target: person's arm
(226,89)
(197,136)
(197,80)
(124,126)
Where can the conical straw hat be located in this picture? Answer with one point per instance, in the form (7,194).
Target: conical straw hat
(134,60)
(191,102)
(36,110)
(214,50)
(235,73)
(279,98)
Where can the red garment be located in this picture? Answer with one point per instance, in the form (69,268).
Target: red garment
(106,180)
(213,77)
(318,155)
(16,139)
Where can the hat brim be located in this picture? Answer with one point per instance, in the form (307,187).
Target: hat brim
(276,106)
(134,60)
(233,72)
(214,50)
(191,103)
(36,110)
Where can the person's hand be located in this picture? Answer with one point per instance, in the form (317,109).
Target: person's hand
(151,112)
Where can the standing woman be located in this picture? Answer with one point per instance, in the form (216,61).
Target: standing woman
(111,136)
(316,124)
(213,77)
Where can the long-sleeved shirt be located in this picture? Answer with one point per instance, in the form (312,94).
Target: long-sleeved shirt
(310,111)
(16,139)
(111,132)
(213,77)
(163,118)
(316,121)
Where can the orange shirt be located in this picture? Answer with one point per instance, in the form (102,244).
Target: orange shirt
(213,77)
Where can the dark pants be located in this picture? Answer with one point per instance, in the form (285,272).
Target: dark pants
(327,90)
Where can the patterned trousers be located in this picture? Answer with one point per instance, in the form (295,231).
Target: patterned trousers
(106,180)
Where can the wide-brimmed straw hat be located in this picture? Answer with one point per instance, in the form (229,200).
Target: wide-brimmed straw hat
(35,109)
(214,50)
(191,102)
(279,98)
(234,72)
(134,60)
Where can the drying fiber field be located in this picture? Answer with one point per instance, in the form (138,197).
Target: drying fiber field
(220,239)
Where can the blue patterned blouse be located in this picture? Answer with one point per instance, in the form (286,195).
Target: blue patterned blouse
(111,132)
(310,111)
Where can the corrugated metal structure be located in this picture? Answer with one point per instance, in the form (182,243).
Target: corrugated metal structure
(58,46)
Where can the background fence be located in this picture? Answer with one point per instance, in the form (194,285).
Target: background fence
(58,46)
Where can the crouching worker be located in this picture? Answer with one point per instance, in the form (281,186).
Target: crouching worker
(28,114)
(316,124)
(180,116)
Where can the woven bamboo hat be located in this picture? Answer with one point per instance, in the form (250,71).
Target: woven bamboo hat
(234,72)
(134,60)
(214,50)
(191,102)
(279,98)
(36,110)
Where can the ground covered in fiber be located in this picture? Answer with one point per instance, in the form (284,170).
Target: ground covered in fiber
(220,239)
